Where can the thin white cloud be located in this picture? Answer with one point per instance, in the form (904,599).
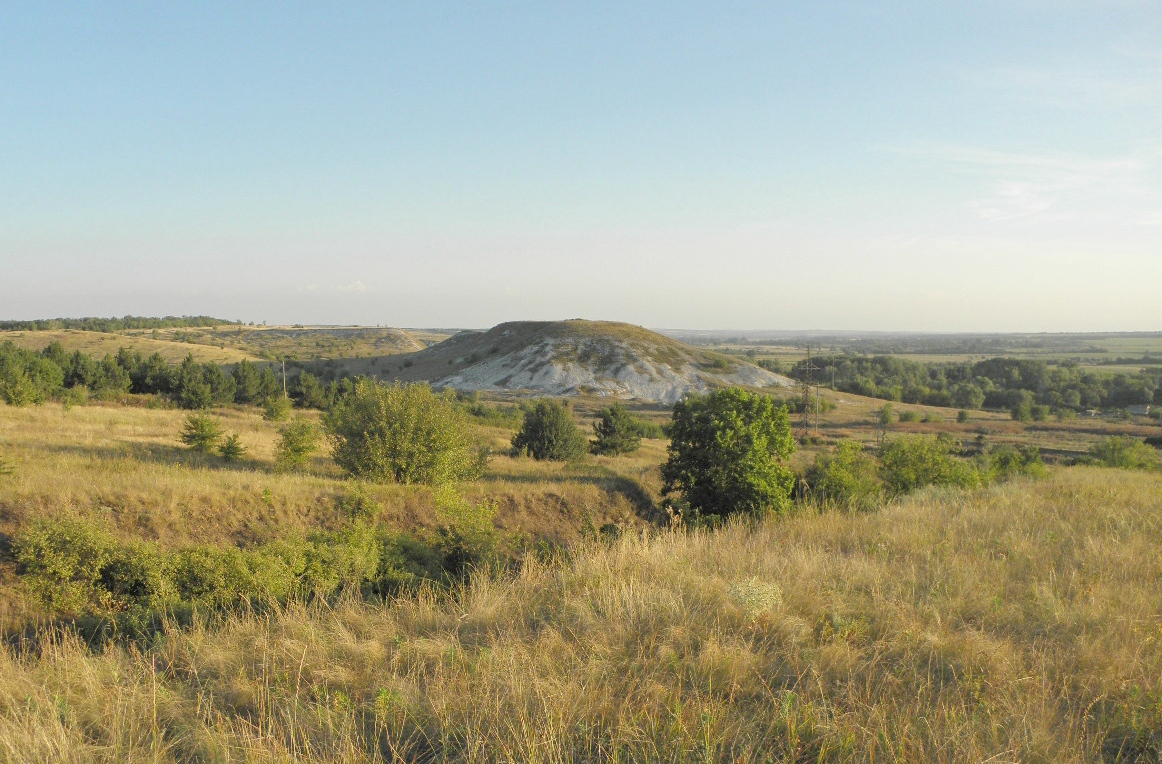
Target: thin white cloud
(1079,89)
(1054,187)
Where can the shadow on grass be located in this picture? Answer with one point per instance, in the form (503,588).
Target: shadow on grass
(644,502)
(153,453)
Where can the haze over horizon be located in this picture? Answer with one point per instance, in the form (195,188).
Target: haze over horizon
(742,166)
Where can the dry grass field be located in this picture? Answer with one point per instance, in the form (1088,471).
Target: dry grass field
(1019,623)
(99,344)
(125,468)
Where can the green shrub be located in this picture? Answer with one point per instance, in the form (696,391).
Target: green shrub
(649,429)
(617,432)
(908,463)
(909,416)
(134,577)
(848,478)
(1005,462)
(401,433)
(726,453)
(549,432)
(885,415)
(231,448)
(61,562)
(298,441)
(962,416)
(467,530)
(405,561)
(276,408)
(201,433)
(214,576)
(1124,452)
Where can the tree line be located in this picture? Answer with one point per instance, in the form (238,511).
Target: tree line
(1012,384)
(29,376)
(113,324)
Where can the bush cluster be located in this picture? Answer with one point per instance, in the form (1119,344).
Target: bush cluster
(550,433)
(76,568)
(853,479)
(727,452)
(617,432)
(401,433)
(1124,452)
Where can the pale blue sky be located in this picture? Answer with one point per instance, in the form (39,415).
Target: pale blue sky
(979,166)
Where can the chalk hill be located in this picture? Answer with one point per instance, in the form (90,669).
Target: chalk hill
(572,357)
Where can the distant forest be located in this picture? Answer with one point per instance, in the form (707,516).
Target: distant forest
(114,324)
(1024,387)
(28,376)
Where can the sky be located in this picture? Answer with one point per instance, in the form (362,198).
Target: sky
(898,166)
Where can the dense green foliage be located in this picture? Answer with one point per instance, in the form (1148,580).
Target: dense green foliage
(549,432)
(912,462)
(616,431)
(848,478)
(231,448)
(201,433)
(27,377)
(298,441)
(114,324)
(400,433)
(726,453)
(75,567)
(853,479)
(1000,383)
(276,408)
(1124,452)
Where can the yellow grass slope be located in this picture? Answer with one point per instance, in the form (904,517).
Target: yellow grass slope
(1020,623)
(99,344)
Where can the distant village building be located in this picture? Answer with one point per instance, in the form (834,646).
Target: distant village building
(1139,409)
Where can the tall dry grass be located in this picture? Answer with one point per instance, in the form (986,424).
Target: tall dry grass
(1019,623)
(126,468)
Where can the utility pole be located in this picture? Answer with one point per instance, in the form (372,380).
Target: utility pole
(808,368)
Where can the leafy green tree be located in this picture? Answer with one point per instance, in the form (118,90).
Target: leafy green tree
(190,389)
(276,408)
(549,432)
(231,448)
(401,433)
(885,415)
(247,382)
(298,441)
(847,478)
(727,452)
(909,463)
(308,392)
(201,433)
(617,432)
(27,377)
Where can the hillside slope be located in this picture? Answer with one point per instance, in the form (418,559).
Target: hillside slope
(1018,623)
(571,357)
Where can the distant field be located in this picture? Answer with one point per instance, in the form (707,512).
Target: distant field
(1098,352)
(98,344)
(297,342)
